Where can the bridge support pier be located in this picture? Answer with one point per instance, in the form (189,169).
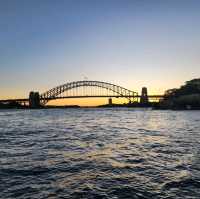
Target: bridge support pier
(34,99)
(110,101)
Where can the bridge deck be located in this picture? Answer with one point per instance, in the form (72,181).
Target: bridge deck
(104,96)
(82,96)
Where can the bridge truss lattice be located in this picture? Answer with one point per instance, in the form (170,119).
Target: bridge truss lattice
(90,89)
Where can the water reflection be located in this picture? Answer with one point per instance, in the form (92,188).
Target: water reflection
(99,153)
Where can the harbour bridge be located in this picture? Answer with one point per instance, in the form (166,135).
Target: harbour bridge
(85,89)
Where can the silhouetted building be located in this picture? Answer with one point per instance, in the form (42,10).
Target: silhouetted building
(34,100)
(144,96)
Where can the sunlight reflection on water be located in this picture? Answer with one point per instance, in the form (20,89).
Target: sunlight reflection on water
(99,153)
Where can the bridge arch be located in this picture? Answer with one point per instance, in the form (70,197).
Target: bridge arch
(56,91)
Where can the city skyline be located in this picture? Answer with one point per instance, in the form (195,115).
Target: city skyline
(129,43)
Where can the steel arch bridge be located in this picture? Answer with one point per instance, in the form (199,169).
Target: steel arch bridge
(72,90)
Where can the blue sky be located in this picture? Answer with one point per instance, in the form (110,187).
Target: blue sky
(129,43)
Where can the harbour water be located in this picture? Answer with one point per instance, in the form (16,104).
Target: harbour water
(99,153)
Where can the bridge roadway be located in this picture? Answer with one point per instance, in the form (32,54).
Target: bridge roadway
(82,96)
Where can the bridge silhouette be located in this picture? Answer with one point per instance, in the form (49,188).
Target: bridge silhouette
(85,89)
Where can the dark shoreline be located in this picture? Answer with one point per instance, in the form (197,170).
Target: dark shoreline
(100,107)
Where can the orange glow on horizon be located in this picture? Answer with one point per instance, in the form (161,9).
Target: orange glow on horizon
(86,101)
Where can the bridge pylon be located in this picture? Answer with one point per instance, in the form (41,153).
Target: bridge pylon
(144,96)
(34,99)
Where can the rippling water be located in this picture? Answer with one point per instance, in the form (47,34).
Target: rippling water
(99,153)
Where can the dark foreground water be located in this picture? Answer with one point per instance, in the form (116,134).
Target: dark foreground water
(99,153)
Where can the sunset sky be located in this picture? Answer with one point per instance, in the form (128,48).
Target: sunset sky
(129,43)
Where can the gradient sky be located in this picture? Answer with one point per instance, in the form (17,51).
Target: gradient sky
(130,43)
